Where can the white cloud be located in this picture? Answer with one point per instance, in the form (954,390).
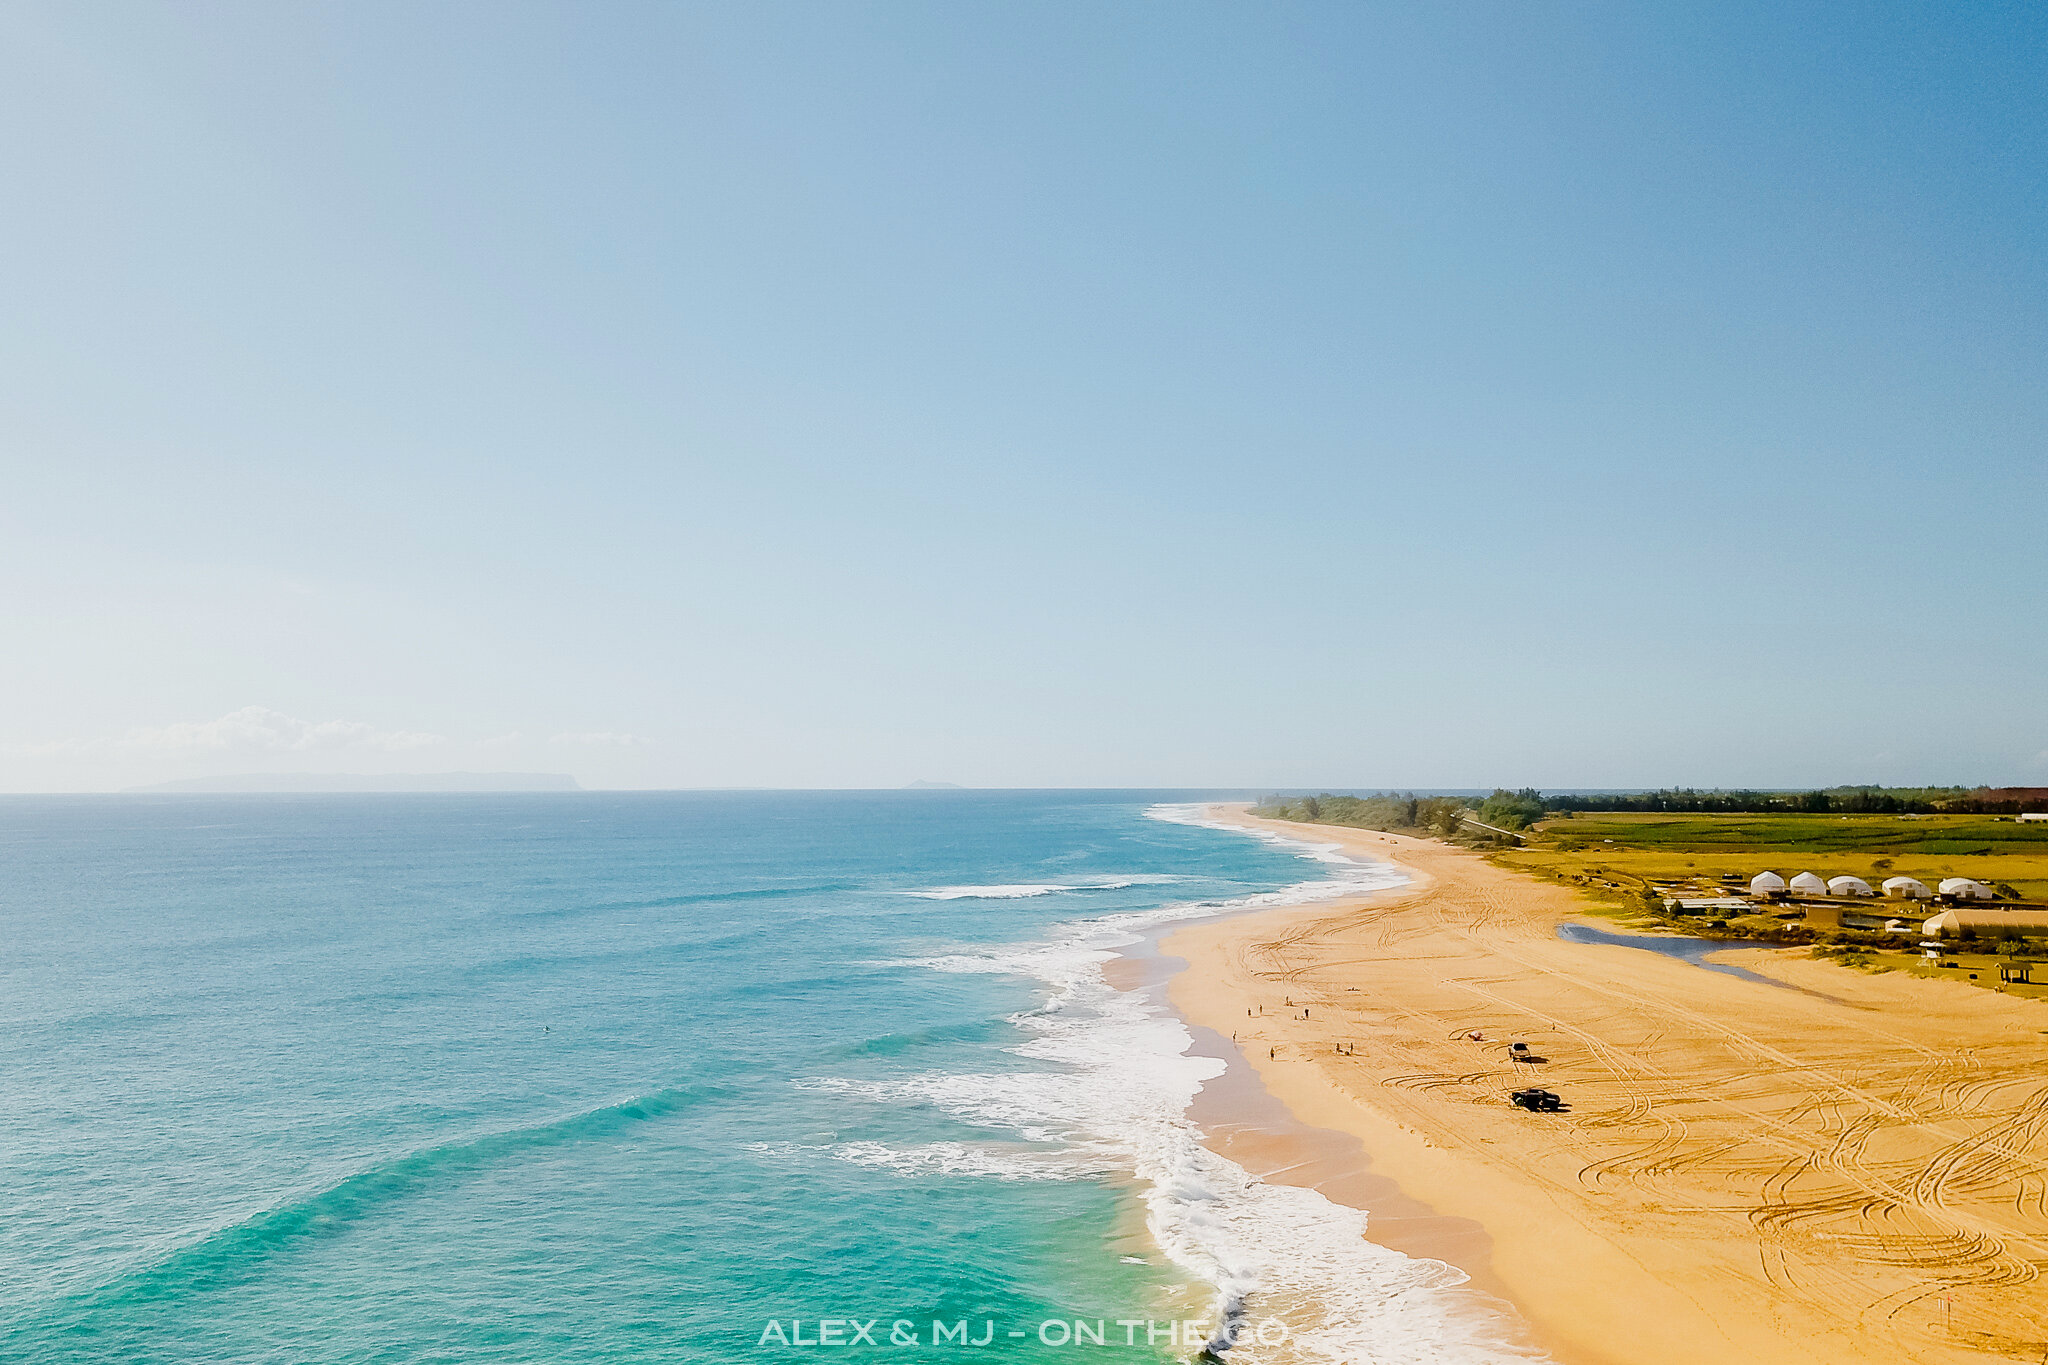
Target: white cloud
(601,739)
(251,730)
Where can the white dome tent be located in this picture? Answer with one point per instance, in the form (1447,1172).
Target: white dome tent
(1906,889)
(1806,884)
(1849,886)
(1965,889)
(1766,884)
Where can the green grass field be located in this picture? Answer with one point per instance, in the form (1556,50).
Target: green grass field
(1879,835)
(1963,968)
(1613,856)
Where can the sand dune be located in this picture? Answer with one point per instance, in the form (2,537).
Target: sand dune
(1842,1168)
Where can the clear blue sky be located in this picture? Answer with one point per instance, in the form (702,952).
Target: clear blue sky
(1035,394)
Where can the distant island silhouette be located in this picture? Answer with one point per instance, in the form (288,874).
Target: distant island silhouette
(370,782)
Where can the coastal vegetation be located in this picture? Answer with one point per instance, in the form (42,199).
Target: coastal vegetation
(1517,809)
(1843,800)
(1634,865)
(1945,835)
(1448,816)
(1637,865)
(1407,813)
(1627,852)
(1638,851)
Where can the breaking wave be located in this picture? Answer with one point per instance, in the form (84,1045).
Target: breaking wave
(1021,890)
(1114,1098)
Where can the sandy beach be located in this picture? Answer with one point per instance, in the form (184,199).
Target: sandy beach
(1827,1166)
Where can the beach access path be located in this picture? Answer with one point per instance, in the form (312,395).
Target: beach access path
(1855,1171)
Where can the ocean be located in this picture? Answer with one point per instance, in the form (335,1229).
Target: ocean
(589,1077)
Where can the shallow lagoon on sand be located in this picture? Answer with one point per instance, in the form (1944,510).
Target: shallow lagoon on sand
(1692,950)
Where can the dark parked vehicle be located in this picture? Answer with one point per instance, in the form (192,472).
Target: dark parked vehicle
(1536,1101)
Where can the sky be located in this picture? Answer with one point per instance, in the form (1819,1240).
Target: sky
(1041,394)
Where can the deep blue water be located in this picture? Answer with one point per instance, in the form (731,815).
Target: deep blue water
(555,1078)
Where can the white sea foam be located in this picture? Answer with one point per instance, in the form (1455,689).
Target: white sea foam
(940,1158)
(1020,890)
(1116,1099)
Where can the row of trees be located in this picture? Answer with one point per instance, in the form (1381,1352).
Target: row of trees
(1438,814)
(1519,809)
(1846,800)
(1388,811)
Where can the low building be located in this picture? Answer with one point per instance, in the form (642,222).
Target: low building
(2035,815)
(1906,888)
(1766,884)
(1986,922)
(1964,889)
(1849,886)
(1851,917)
(1806,884)
(1702,905)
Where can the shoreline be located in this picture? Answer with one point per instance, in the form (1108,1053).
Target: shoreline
(1727,1182)
(1241,1120)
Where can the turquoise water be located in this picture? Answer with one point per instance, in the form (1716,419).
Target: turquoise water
(647,1077)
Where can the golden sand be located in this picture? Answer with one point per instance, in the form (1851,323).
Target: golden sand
(1855,1170)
